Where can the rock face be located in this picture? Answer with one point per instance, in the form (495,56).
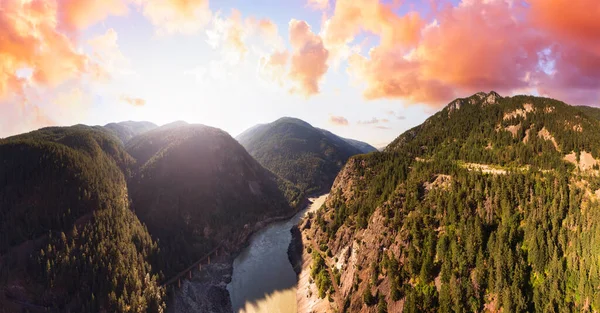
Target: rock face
(205,292)
(456,212)
(295,250)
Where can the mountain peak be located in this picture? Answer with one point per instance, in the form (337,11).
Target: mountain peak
(481,97)
(492,98)
(296,151)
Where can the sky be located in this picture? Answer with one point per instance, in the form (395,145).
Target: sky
(364,69)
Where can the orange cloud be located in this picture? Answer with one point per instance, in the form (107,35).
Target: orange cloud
(19,116)
(338,120)
(79,14)
(572,21)
(548,46)
(572,28)
(442,66)
(30,39)
(177,16)
(309,59)
(350,17)
(42,64)
(236,36)
(273,67)
(138,102)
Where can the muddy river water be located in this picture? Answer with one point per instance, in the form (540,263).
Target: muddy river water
(263,279)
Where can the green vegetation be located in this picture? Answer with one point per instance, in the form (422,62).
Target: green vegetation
(127,130)
(68,235)
(462,240)
(308,157)
(475,134)
(197,187)
(71,242)
(320,274)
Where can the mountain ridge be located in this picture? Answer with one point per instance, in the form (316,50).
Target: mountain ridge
(296,151)
(480,208)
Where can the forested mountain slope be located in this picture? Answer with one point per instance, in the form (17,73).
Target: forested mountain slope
(196,187)
(129,129)
(491,205)
(590,111)
(69,240)
(293,149)
(363,147)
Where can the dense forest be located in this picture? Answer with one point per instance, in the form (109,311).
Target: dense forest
(197,187)
(69,240)
(307,156)
(94,219)
(461,214)
(125,131)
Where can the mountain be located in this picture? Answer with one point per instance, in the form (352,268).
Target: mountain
(296,151)
(196,187)
(127,130)
(363,147)
(69,240)
(492,204)
(590,111)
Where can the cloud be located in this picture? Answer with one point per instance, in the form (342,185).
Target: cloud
(34,54)
(318,4)
(350,17)
(177,16)
(382,127)
(230,36)
(396,115)
(43,64)
(138,102)
(373,121)
(71,105)
(78,14)
(273,67)
(548,46)
(30,38)
(19,116)
(338,120)
(309,59)
(108,58)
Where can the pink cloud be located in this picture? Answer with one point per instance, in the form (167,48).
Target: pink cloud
(309,59)
(338,120)
(549,46)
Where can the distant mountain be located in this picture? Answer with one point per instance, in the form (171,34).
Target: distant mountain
(490,205)
(363,147)
(296,151)
(127,130)
(590,111)
(197,187)
(68,239)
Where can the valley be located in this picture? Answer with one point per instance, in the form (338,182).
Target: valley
(489,205)
(311,156)
(459,214)
(155,215)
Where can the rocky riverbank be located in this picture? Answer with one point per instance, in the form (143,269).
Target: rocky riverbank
(207,290)
(295,250)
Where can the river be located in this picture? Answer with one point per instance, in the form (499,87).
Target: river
(263,279)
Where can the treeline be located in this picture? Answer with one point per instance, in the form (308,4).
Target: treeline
(197,187)
(525,241)
(456,240)
(294,150)
(477,133)
(69,237)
